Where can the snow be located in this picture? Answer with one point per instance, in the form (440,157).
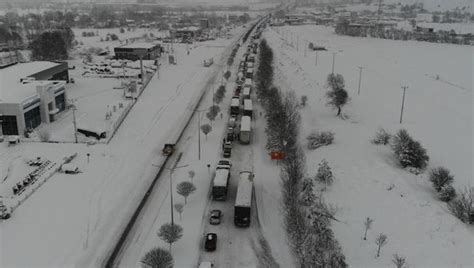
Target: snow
(245,125)
(139,45)
(221,178)
(244,190)
(368,180)
(87,211)
(11,88)
(235,102)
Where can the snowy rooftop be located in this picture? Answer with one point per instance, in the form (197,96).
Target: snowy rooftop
(247,104)
(235,102)
(221,177)
(140,45)
(244,190)
(11,88)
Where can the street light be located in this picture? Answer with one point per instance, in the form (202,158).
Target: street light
(73,107)
(171,170)
(334,59)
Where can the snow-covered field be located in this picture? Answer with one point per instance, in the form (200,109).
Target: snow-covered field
(79,217)
(438,113)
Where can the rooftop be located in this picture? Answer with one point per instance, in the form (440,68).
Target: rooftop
(244,190)
(11,89)
(140,45)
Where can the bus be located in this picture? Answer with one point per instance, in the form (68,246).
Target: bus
(248,107)
(243,200)
(221,182)
(245,131)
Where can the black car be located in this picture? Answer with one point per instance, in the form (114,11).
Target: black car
(211,242)
(215,217)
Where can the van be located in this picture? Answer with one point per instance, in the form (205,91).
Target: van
(70,169)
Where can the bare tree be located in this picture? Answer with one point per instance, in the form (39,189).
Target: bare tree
(158,258)
(185,188)
(380,241)
(170,233)
(227,75)
(191,174)
(463,206)
(399,261)
(213,111)
(367,224)
(440,176)
(179,208)
(206,129)
(337,96)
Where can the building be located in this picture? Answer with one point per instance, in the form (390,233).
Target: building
(204,23)
(32,93)
(186,33)
(137,50)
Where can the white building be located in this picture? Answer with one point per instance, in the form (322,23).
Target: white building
(29,96)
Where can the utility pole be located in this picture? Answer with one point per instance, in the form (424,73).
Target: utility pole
(199,131)
(316,60)
(403,103)
(333,61)
(73,107)
(141,72)
(360,78)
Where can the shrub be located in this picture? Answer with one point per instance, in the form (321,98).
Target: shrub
(447,193)
(113,37)
(463,206)
(440,177)
(324,174)
(409,152)
(382,137)
(316,139)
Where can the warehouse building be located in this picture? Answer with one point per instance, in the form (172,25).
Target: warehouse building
(135,51)
(32,93)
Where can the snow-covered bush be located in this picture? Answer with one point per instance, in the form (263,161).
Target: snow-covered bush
(463,206)
(307,192)
(157,258)
(382,137)
(409,152)
(318,139)
(447,193)
(440,177)
(324,174)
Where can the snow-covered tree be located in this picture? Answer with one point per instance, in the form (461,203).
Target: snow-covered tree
(367,224)
(158,258)
(206,129)
(317,139)
(440,177)
(185,188)
(399,261)
(307,192)
(380,241)
(227,75)
(170,233)
(191,174)
(337,96)
(409,152)
(179,207)
(324,174)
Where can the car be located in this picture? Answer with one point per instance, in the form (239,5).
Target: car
(224,162)
(211,242)
(215,217)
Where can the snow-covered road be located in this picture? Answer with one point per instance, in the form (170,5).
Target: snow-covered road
(83,215)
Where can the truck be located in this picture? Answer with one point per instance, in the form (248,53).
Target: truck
(245,130)
(248,107)
(220,183)
(243,199)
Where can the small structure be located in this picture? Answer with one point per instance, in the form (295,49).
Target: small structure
(168,149)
